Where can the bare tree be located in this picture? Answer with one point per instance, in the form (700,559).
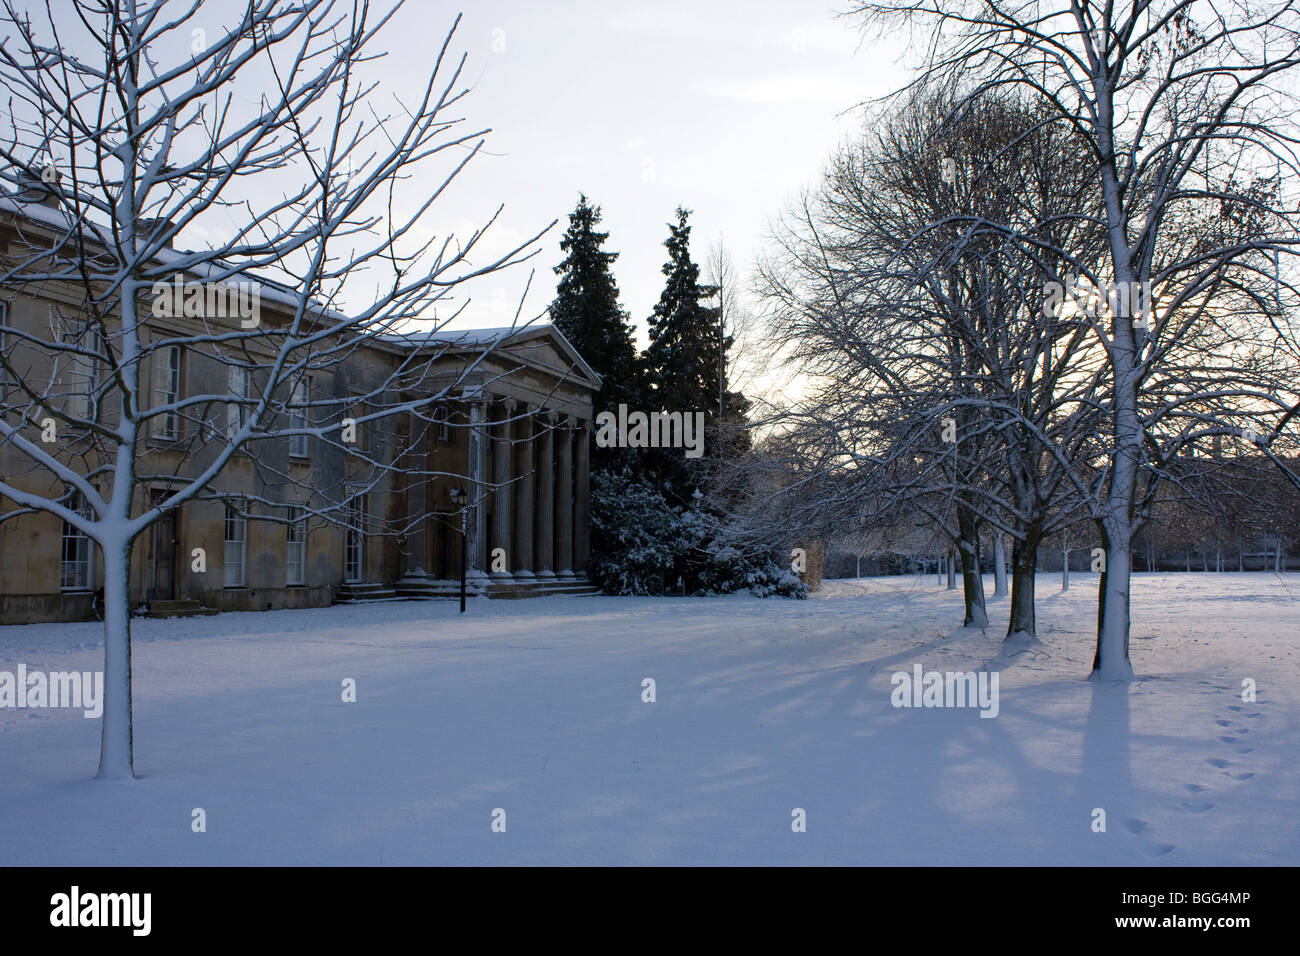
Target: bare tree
(1178,101)
(138,124)
(926,326)
(737,321)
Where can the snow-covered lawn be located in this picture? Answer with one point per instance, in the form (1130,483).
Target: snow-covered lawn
(763,706)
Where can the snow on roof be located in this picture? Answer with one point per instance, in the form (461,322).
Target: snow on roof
(55,216)
(58,217)
(478,338)
(282,294)
(461,336)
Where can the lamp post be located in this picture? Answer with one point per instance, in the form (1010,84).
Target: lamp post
(458,497)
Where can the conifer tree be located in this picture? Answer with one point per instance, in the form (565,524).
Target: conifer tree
(682,359)
(586,310)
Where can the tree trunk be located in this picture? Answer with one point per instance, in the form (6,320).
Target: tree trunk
(116,756)
(1101,590)
(1024,563)
(1111,661)
(999,566)
(952,569)
(971,579)
(1065,569)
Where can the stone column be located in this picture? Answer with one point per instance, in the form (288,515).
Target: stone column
(477,488)
(581,494)
(504,490)
(521,558)
(544,543)
(564,502)
(415,464)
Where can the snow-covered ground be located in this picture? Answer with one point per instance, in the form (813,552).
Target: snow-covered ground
(762,706)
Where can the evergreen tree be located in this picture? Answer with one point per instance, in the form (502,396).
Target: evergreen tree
(684,365)
(682,358)
(637,539)
(587,311)
(683,361)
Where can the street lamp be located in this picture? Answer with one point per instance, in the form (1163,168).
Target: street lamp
(458,498)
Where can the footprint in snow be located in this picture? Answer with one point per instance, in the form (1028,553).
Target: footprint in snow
(1197,806)
(1241,776)
(1216,762)
(1193,787)
(1229,740)
(1138,827)
(1224,723)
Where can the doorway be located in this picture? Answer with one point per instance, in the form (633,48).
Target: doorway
(446,545)
(162,552)
(355,544)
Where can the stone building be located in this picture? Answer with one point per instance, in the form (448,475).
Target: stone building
(510,429)
(518,441)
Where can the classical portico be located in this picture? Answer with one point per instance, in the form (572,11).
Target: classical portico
(517,440)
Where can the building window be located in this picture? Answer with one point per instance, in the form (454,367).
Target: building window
(295,556)
(354,548)
(167,390)
(236,545)
(442,424)
(79,377)
(237,410)
(75,570)
(298,416)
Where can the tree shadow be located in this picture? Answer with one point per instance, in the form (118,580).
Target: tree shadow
(1106,775)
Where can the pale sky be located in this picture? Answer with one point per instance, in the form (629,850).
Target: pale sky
(728,107)
(725,107)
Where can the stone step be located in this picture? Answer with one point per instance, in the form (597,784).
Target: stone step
(515,590)
(433,589)
(365,594)
(183,608)
(510,593)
